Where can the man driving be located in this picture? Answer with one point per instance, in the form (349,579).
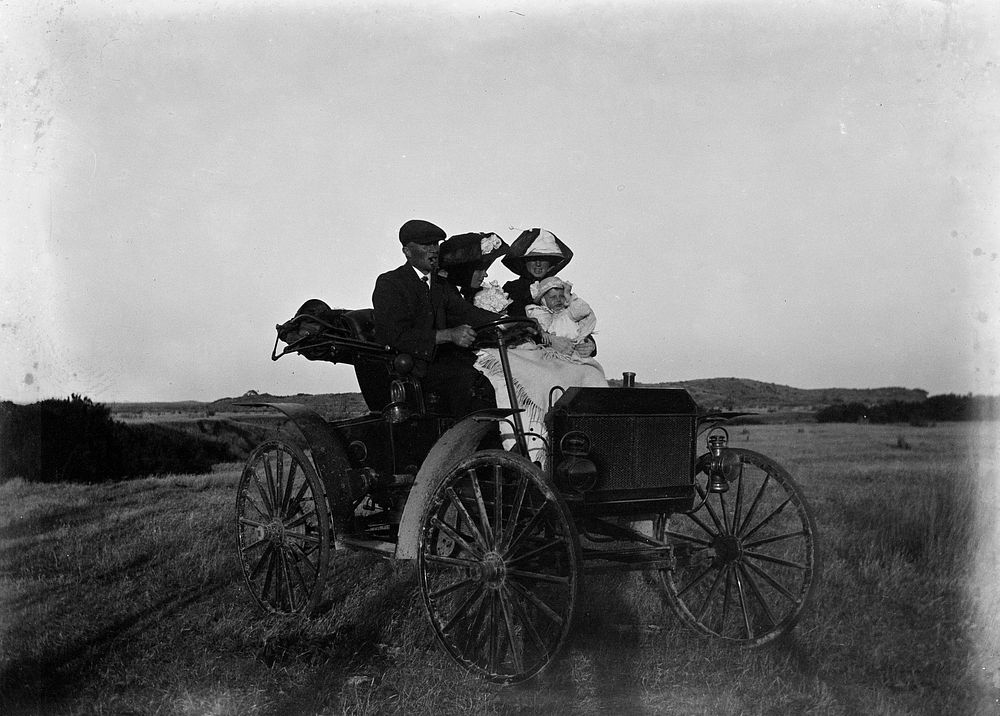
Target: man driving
(415,315)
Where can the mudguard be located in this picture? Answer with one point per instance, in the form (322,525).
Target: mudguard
(459,440)
(327,451)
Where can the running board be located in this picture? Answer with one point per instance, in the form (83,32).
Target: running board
(375,546)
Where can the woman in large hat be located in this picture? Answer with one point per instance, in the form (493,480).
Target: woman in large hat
(534,255)
(465,258)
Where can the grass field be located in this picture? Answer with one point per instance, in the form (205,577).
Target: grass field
(127,598)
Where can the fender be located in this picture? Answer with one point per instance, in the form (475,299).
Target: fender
(327,451)
(459,440)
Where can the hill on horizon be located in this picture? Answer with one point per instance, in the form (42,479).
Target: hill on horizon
(708,393)
(734,393)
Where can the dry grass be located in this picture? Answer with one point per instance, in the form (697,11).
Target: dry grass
(127,598)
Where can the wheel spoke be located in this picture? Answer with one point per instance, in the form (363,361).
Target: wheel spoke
(462,608)
(494,635)
(696,580)
(773,582)
(460,506)
(247,499)
(497,501)
(711,513)
(272,496)
(289,485)
(726,592)
(774,513)
(542,606)
(253,545)
(725,513)
(711,594)
(535,552)
(269,573)
(294,563)
(286,577)
(451,561)
(476,636)
(537,576)
(527,623)
(302,557)
(262,491)
(484,520)
(515,513)
(515,652)
(300,520)
(527,530)
(739,500)
(777,538)
(454,587)
(743,605)
(753,505)
(755,591)
(775,560)
(260,562)
(303,536)
(455,536)
(708,530)
(294,503)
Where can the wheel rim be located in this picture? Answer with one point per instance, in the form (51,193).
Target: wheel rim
(499,567)
(283,529)
(746,562)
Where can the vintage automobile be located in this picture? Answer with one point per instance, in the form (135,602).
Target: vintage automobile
(501,543)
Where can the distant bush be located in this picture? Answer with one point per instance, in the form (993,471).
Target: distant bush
(948,407)
(76,440)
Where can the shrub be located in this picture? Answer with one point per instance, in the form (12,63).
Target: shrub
(76,440)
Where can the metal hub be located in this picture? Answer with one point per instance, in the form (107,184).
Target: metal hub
(273,531)
(727,548)
(492,570)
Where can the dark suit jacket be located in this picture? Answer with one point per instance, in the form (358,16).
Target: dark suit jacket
(519,292)
(407,315)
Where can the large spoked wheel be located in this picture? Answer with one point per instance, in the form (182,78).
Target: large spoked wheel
(283,529)
(746,562)
(499,565)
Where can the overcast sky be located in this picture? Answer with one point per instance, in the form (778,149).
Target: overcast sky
(803,193)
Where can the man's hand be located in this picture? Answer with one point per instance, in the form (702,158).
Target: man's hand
(459,335)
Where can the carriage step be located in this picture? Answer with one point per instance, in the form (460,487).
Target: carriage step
(380,547)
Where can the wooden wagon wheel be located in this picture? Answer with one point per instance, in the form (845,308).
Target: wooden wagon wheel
(499,566)
(283,528)
(746,563)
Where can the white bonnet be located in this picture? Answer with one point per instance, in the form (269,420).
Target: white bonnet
(540,288)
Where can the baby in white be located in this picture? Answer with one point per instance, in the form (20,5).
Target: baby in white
(566,319)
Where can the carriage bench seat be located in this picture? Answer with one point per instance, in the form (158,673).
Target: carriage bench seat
(340,335)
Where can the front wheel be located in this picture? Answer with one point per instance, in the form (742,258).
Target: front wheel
(499,566)
(283,529)
(746,562)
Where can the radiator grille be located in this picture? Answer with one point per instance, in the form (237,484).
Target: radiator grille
(638,452)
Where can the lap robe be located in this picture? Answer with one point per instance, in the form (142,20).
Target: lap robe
(535,371)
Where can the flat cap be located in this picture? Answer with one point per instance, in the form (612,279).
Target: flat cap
(419,231)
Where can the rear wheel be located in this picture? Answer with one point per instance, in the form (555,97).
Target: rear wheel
(746,562)
(283,529)
(499,566)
